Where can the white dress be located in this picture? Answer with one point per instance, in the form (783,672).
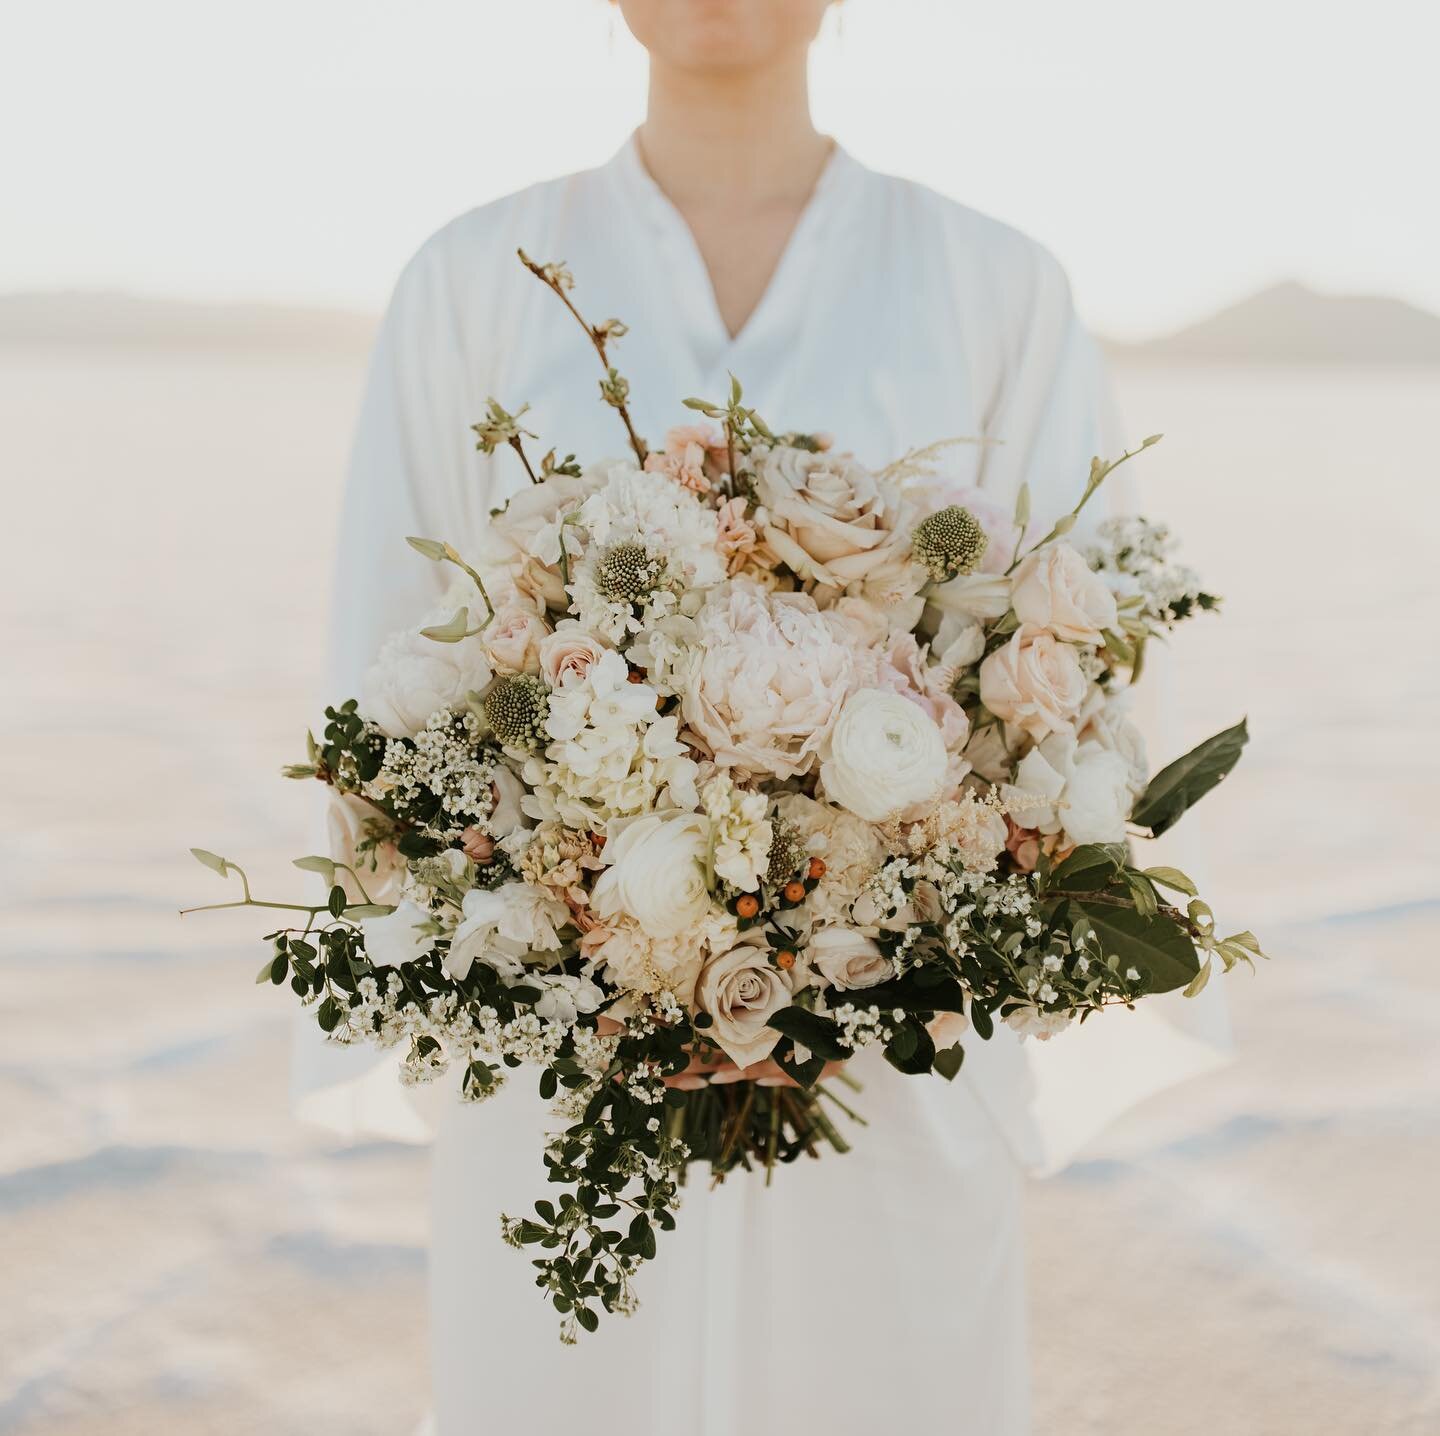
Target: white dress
(858,1290)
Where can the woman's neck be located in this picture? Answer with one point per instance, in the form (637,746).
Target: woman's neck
(743,136)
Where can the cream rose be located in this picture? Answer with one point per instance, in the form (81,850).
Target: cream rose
(656,873)
(567,653)
(1034,682)
(513,637)
(1056,589)
(847,959)
(766,678)
(829,517)
(741,991)
(884,754)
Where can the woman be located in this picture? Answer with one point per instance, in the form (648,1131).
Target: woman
(732,237)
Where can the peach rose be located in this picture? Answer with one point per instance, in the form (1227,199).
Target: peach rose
(1034,682)
(567,653)
(1056,589)
(512,639)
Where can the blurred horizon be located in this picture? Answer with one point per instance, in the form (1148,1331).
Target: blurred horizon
(298,153)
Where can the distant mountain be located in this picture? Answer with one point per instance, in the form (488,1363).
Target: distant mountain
(1291,324)
(81,317)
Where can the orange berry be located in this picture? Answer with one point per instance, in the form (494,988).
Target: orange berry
(747,905)
(635,676)
(785,959)
(794,892)
(817,868)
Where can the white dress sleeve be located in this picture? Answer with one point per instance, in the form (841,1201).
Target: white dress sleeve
(411,460)
(1054,411)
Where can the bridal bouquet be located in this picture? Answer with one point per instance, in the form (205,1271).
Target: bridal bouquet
(726,760)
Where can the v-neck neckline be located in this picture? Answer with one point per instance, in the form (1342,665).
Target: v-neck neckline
(695,296)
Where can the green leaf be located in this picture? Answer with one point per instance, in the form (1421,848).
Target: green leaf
(328,1015)
(264,974)
(336,902)
(324,866)
(1089,868)
(1180,786)
(279,969)
(1171,878)
(1196,985)
(451,632)
(811,1030)
(1155,945)
(948,1061)
(369,909)
(213,861)
(911,1050)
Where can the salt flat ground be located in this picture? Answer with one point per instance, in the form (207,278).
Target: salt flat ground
(1256,1254)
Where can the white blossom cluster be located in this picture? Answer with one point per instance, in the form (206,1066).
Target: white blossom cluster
(1133,554)
(446,759)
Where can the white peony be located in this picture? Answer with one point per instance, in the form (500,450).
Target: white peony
(656,873)
(404,935)
(766,679)
(1056,589)
(847,959)
(883,755)
(414,677)
(741,991)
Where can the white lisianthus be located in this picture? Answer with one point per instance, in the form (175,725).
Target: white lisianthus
(564,997)
(1056,589)
(741,991)
(656,873)
(502,926)
(404,935)
(847,959)
(1081,789)
(415,677)
(883,755)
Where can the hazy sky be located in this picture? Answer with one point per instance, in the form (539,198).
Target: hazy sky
(1174,155)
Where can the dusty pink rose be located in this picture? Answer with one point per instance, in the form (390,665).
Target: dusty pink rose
(478,846)
(567,654)
(512,639)
(1056,589)
(694,456)
(903,669)
(1034,682)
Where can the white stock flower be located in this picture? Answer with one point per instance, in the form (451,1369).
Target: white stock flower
(413,677)
(401,936)
(741,991)
(741,831)
(656,873)
(883,755)
(847,959)
(1034,682)
(1056,589)
(766,679)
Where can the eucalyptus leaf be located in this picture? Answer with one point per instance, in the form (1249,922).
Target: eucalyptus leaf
(1180,786)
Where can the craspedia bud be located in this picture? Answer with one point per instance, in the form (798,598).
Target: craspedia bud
(948,543)
(516,708)
(626,573)
(787,853)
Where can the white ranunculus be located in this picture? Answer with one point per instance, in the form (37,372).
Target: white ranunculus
(414,677)
(656,873)
(1056,589)
(380,870)
(400,936)
(741,991)
(847,959)
(883,755)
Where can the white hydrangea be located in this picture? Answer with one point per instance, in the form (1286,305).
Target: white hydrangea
(610,754)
